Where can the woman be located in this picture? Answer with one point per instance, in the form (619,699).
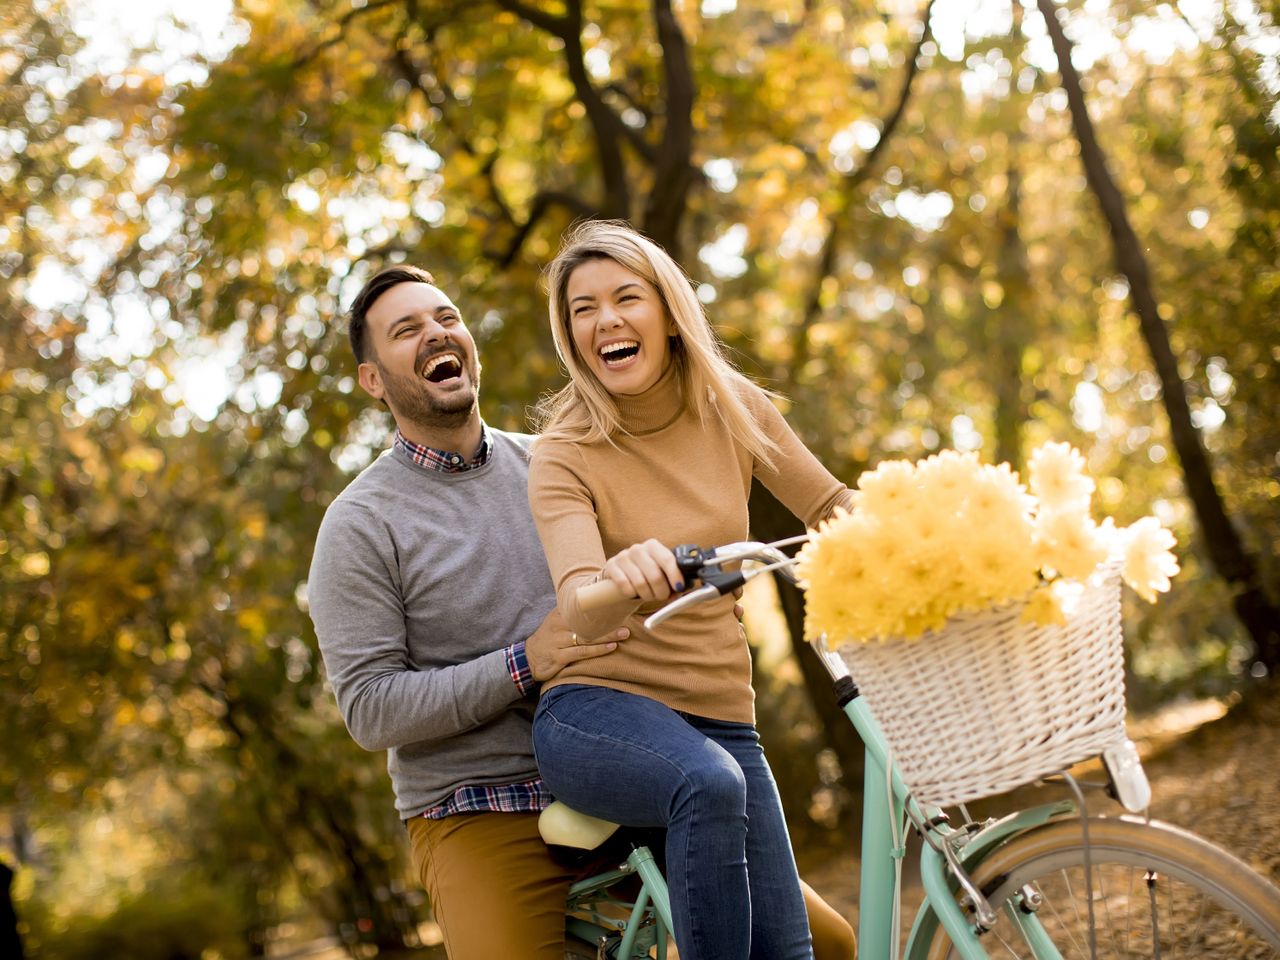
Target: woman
(655,442)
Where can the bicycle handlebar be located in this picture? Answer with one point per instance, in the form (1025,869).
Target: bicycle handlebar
(699,564)
(599,594)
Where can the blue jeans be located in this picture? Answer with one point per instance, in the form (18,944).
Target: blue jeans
(735,893)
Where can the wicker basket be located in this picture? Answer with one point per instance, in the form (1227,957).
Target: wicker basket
(989,703)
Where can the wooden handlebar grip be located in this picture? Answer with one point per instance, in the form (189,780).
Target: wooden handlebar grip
(600,594)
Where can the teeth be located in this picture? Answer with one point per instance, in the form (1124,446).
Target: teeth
(435,362)
(612,348)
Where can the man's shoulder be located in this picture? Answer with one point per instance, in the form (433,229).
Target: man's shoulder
(370,485)
(355,504)
(520,442)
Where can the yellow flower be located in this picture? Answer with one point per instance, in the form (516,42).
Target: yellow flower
(950,535)
(1148,560)
(946,477)
(884,490)
(1044,608)
(1058,479)
(1071,543)
(995,498)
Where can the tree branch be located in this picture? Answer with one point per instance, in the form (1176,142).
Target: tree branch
(562,27)
(607,127)
(411,73)
(441,94)
(851,182)
(634,136)
(672,175)
(342,24)
(542,204)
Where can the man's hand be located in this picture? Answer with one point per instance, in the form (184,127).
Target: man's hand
(553,646)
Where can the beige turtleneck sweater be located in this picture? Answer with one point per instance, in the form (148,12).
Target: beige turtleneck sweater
(671,479)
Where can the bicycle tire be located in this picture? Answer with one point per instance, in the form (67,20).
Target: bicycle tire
(1207,903)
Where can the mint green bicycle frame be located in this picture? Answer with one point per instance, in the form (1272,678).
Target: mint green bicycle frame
(884,817)
(877,888)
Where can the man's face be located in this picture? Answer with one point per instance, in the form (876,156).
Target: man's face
(422,360)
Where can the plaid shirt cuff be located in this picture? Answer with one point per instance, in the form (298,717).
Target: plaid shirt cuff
(518,667)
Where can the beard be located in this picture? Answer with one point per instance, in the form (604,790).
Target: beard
(412,399)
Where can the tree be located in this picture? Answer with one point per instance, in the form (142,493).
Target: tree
(881,212)
(1252,605)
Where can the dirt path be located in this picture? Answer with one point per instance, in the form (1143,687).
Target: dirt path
(1216,775)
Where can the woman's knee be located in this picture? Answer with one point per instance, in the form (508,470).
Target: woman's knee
(716,787)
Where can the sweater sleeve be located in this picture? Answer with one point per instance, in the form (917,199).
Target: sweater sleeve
(798,479)
(565,515)
(353,592)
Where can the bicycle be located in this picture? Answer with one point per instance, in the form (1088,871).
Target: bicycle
(1047,882)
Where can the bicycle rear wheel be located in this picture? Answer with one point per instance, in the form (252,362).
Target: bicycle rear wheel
(1157,892)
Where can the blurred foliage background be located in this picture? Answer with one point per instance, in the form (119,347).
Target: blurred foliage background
(885,207)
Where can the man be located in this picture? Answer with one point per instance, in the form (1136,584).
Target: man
(435,613)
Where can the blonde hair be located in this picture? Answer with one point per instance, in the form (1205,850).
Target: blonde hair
(584,411)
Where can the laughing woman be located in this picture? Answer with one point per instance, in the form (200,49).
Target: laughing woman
(655,442)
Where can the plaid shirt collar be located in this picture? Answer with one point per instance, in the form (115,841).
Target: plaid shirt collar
(446,461)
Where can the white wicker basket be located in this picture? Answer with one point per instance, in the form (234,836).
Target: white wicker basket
(989,703)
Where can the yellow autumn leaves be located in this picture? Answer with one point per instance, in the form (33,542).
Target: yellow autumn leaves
(929,540)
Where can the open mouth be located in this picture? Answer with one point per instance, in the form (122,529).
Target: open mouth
(444,367)
(618,353)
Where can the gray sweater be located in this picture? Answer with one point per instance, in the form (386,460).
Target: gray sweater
(419,581)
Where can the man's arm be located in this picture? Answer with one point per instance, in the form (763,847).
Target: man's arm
(356,605)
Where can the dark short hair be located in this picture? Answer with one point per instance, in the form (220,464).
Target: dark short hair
(374,287)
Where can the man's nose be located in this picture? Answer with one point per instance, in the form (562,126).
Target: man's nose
(433,331)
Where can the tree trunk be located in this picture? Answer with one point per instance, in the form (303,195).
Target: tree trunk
(1010,322)
(770,520)
(10,939)
(1255,610)
(673,173)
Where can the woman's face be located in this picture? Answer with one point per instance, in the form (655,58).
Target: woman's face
(619,326)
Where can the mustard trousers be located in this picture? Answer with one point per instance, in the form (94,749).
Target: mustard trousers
(497,892)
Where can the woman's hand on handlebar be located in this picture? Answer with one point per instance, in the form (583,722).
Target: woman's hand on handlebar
(646,571)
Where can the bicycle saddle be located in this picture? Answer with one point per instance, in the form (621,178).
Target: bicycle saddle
(562,826)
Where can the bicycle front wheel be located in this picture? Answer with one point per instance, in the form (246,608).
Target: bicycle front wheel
(1157,892)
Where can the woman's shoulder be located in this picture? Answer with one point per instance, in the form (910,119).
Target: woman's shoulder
(757,399)
(554,448)
(555,456)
